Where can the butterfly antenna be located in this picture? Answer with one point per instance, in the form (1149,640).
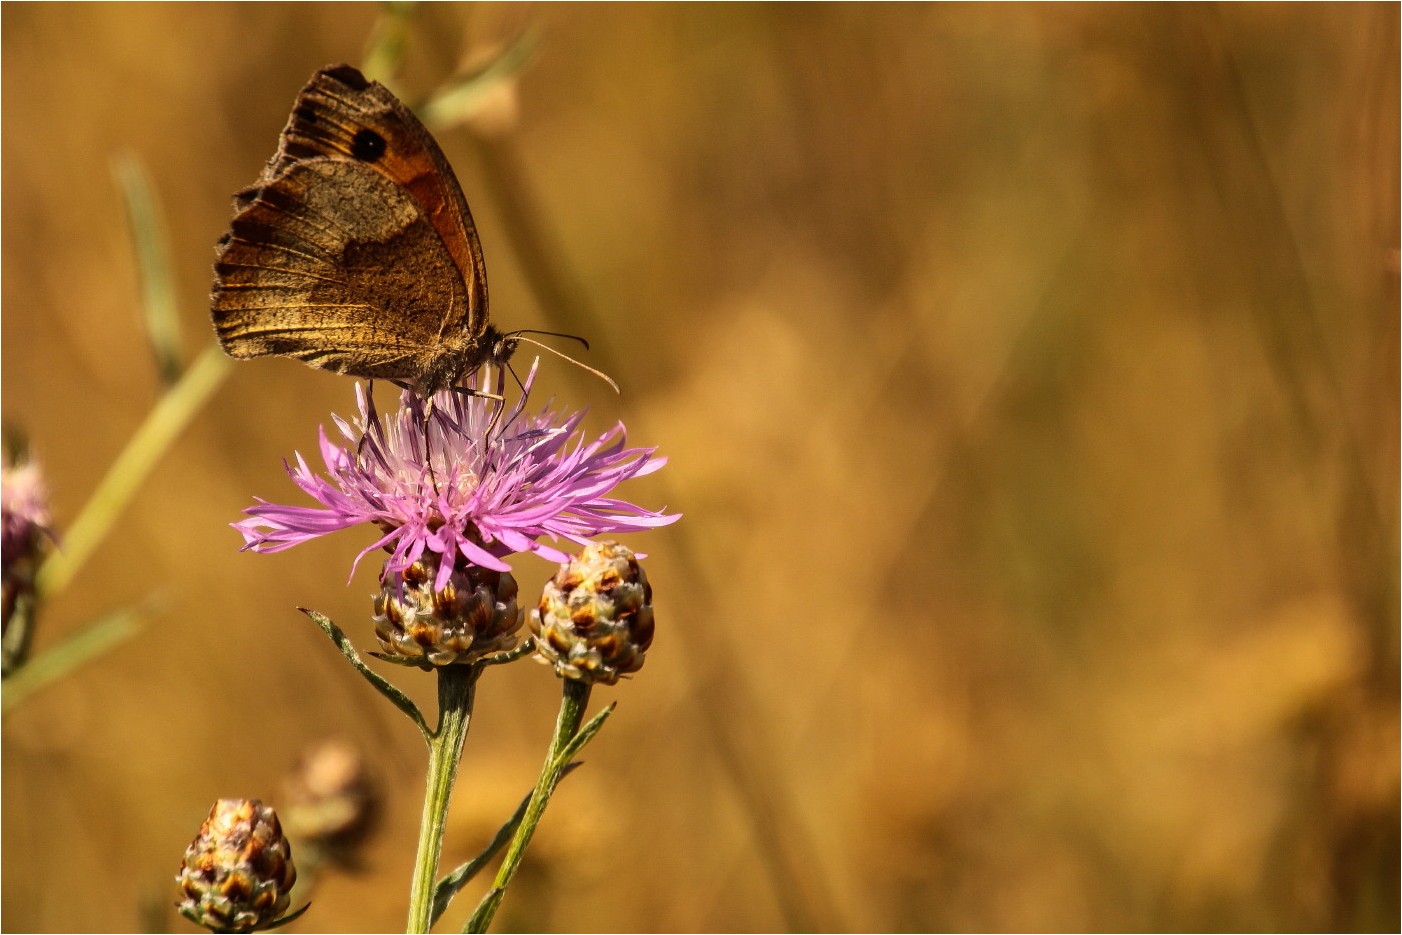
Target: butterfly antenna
(516,336)
(552,334)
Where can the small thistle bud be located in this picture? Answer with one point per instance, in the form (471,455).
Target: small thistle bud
(329,799)
(473,615)
(594,621)
(238,873)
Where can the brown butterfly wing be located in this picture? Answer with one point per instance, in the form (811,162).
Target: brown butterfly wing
(336,266)
(355,251)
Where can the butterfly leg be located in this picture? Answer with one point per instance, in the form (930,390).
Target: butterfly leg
(428,453)
(360,445)
(500,399)
(428,417)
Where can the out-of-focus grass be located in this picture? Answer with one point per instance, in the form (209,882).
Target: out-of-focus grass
(1030,379)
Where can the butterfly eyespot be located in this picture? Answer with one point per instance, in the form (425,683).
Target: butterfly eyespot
(367,146)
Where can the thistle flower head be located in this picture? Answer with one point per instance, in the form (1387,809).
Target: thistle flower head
(594,621)
(455,477)
(237,874)
(473,615)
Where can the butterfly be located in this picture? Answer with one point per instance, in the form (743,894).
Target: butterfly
(355,250)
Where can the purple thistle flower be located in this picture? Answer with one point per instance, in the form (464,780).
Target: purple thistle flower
(491,487)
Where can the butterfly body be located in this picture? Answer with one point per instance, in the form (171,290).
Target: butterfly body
(355,250)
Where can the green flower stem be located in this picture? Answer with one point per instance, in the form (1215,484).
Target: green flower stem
(155,436)
(87,644)
(449,886)
(456,685)
(572,705)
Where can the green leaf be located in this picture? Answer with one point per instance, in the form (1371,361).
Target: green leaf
(586,734)
(511,655)
(149,242)
(382,685)
(568,741)
(290,917)
(82,647)
(19,631)
(461,97)
(451,884)
(423,665)
(388,40)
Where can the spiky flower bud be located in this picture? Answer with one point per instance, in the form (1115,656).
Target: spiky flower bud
(594,621)
(238,872)
(329,799)
(473,615)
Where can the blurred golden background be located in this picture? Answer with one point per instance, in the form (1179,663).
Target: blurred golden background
(1029,376)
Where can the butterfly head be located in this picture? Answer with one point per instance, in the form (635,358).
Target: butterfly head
(456,363)
(500,345)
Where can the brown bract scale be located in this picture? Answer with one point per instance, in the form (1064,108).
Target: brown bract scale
(355,250)
(474,615)
(594,622)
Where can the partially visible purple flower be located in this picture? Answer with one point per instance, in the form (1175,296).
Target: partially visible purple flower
(24,509)
(490,486)
(24,539)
